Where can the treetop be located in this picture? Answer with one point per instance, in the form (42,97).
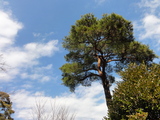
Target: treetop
(99,46)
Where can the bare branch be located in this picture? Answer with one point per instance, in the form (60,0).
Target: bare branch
(54,112)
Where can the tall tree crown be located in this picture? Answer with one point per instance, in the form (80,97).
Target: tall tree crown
(94,44)
(99,36)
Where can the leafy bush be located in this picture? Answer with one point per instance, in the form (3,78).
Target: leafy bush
(139,90)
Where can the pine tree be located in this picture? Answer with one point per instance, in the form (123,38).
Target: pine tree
(97,48)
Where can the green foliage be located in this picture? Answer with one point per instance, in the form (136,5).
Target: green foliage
(98,47)
(139,90)
(110,38)
(140,115)
(6,107)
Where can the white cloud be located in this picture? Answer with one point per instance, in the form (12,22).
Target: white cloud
(151,26)
(37,50)
(148,27)
(39,73)
(39,93)
(20,58)
(87,102)
(9,29)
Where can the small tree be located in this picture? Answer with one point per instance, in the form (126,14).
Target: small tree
(52,112)
(140,90)
(6,107)
(98,47)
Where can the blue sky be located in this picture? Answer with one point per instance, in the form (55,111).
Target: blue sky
(31,33)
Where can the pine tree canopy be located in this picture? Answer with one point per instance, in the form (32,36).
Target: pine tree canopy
(98,47)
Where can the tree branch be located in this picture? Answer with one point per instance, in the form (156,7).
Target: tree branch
(91,74)
(113,60)
(89,69)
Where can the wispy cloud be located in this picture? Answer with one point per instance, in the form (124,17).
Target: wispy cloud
(39,73)
(36,34)
(99,2)
(43,36)
(150,5)
(3,4)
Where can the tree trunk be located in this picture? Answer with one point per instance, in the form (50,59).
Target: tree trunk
(101,70)
(107,92)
